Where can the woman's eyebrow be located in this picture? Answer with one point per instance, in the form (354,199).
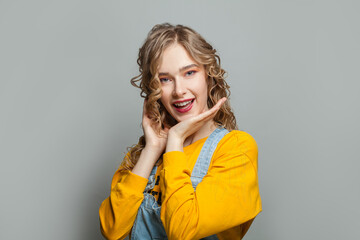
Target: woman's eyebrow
(180,70)
(188,66)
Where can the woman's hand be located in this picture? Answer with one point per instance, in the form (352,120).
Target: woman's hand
(178,133)
(154,140)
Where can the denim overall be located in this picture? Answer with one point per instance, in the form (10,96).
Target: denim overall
(148,224)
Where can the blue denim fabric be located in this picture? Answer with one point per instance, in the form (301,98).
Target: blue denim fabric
(148,224)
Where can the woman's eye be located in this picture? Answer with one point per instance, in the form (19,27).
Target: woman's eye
(189,73)
(164,80)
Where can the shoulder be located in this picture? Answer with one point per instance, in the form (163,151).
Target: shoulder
(237,145)
(240,140)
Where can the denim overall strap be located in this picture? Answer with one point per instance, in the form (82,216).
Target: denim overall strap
(203,162)
(148,224)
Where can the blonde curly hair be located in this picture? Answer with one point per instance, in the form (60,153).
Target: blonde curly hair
(158,39)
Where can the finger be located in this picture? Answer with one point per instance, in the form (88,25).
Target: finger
(145,113)
(220,102)
(217,107)
(164,133)
(209,116)
(204,117)
(166,127)
(145,117)
(211,112)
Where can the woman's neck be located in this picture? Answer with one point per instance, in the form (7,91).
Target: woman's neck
(203,132)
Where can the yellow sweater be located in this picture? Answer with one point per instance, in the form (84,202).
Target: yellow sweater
(225,202)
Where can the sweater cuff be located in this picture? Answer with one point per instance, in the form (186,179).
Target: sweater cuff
(135,182)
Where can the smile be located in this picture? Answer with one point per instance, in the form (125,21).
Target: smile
(183,106)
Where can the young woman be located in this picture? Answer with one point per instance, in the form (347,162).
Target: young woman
(192,175)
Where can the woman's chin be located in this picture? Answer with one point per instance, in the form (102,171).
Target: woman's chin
(183,118)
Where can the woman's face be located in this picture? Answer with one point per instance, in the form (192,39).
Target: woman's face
(183,83)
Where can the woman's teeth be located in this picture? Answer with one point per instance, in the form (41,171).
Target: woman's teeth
(182,104)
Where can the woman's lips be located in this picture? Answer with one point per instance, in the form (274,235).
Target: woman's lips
(186,108)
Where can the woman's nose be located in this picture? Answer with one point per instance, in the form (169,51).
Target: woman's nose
(179,88)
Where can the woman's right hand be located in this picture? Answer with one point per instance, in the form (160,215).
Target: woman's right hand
(155,140)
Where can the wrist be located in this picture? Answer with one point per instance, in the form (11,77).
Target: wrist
(174,143)
(153,150)
(174,136)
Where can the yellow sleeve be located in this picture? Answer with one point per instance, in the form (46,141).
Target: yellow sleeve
(227,196)
(118,212)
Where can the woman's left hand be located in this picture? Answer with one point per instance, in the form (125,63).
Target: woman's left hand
(182,130)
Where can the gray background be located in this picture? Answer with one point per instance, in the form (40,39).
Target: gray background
(68,111)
